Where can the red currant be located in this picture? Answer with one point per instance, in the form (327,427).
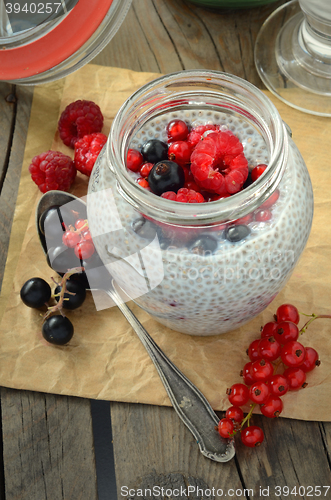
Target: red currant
(270,201)
(258,171)
(70,238)
(287,312)
(269,348)
(259,392)
(296,378)
(272,407)
(145,169)
(252,436)
(134,160)
(246,374)
(278,385)
(238,394)
(293,353)
(311,360)
(180,152)
(261,370)
(269,329)
(84,249)
(177,130)
(235,413)
(86,235)
(80,223)
(252,350)
(225,427)
(143,183)
(263,215)
(286,331)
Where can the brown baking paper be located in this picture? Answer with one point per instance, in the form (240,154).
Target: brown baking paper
(105,359)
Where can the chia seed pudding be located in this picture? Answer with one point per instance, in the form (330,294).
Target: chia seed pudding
(211,277)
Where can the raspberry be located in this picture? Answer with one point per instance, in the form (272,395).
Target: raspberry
(87,151)
(52,170)
(196,134)
(78,119)
(218,163)
(184,195)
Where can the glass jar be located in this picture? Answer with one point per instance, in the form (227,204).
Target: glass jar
(64,41)
(231,4)
(201,268)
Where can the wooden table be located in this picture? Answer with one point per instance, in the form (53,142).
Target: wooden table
(47,445)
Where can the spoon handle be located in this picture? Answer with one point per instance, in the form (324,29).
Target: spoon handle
(189,403)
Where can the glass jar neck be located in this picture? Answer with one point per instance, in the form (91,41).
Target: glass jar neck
(198,89)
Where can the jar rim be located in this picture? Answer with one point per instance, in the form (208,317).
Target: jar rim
(158,93)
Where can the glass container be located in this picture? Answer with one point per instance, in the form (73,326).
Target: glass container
(201,268)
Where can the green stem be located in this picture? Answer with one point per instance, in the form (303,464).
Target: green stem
(312,318)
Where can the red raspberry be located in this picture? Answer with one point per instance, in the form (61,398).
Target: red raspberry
(219,164)
(184,195)
(78,119)
(52,170)
(87,151)
(196,134)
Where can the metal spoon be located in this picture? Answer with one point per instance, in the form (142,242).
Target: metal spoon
(189,403)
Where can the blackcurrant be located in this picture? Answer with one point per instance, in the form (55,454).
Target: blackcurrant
(154,151)
(62,258)
(205,245)
(58,330)
(236,233)
(144,228)
(72,301)
(35,292)
(166,176)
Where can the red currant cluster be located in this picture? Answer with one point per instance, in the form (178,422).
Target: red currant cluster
(263,385)
(79,238)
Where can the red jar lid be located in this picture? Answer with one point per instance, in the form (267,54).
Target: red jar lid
(55,46)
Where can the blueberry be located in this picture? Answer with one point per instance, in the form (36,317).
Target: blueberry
(154,151)
(58,330)
(144,228)
(72,301)
(35,292)
(166,176)
(205,245)
(236,233)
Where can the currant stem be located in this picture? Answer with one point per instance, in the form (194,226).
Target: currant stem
(63,283)
(246,419)
(312,318)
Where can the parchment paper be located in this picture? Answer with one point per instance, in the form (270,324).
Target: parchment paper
(105,359)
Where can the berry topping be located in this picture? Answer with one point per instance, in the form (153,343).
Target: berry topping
(144,228)
(57,330)
(145,169)
(270,201)
(287,312)
(263,215)
(78,119)
(218,163)
(205,245)
(197,132)
(87,150)
(184,195)
(257,171)
(180,152)
(73,297)
(143,183)
(177,130)
(166,176)
(252,436)
(52,170)
(35,292)
(134,160)
(236,233)
(154,151)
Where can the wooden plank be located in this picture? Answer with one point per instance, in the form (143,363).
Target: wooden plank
(152,447)
(47,447)
(7,117)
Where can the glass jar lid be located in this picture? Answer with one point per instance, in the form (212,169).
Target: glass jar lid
(44,41)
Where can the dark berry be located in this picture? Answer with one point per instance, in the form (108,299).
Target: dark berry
(62,258)
(248,181)
(96,274)
(236,233)
(154,151)
(205,245)
(166,176)
(35,292)
(58,330)
(144,228)
(72,301)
